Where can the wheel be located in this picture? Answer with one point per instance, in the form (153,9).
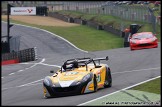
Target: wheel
(131,49)
(46,94)
(108,80)
(95,83)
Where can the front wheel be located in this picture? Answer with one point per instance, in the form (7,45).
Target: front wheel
(108,80)
(95,84)
(131,49)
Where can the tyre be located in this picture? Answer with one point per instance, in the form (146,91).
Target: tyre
(108,79)
(95,83)
(131,49)
(46,93)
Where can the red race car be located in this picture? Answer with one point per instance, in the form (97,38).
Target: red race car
(143,40)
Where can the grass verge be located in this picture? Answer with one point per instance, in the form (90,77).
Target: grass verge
(84,37)
(152,86)
(114,21)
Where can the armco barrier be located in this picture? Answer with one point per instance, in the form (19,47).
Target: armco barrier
(112,30)
(20,56)
(59,16)
(77,20)
(83,22)
(88,23)
(94,25)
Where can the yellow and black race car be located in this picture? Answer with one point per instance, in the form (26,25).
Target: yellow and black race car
(78,76)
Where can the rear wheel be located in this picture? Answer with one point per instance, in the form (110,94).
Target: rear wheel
(108,80)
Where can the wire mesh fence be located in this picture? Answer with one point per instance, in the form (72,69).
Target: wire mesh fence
(131,12)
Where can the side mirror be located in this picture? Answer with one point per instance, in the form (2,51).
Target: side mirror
(51,71)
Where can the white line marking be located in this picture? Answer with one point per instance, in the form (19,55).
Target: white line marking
(21,86)
(27,63)
(32,66)
(119,90)
(2,77)
(135,70)
(51,34)
(27,84)
(42,60)
(24,63)
(20,70)
(34,84)
(28,67)
(51,65)
(30,83)
(11,73)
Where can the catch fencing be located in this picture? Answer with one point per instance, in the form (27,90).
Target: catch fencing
(131,12)
(124,11)
(128,12)
(141,13)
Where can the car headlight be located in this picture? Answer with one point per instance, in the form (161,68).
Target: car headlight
(85,78)
(153,39)
(47,81)
(133,41)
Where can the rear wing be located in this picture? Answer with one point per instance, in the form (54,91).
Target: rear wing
(85,61)
(99,59)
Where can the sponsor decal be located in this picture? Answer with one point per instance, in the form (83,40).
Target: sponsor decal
(98,72)
(23,10)
(30,10)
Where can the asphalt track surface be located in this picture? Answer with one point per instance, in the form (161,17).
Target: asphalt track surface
(21,84)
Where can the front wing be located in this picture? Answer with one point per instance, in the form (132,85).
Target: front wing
(84,87)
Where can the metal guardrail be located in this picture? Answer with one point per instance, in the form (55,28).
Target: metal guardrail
(88,23)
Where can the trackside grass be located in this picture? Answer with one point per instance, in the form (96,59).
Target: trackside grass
(153,86)
(91,39)
(84,37)
(116,22)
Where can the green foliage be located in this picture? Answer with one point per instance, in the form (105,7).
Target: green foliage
(116,22)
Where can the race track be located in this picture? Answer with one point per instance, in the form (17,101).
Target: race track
(21,84)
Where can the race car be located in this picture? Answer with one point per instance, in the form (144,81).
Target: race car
(78,76)
(143,40)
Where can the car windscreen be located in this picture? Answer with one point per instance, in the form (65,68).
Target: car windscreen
(140,36)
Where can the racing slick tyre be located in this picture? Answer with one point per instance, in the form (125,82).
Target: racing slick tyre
(131,49)
(108,80)
(46,96)
(95,83)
